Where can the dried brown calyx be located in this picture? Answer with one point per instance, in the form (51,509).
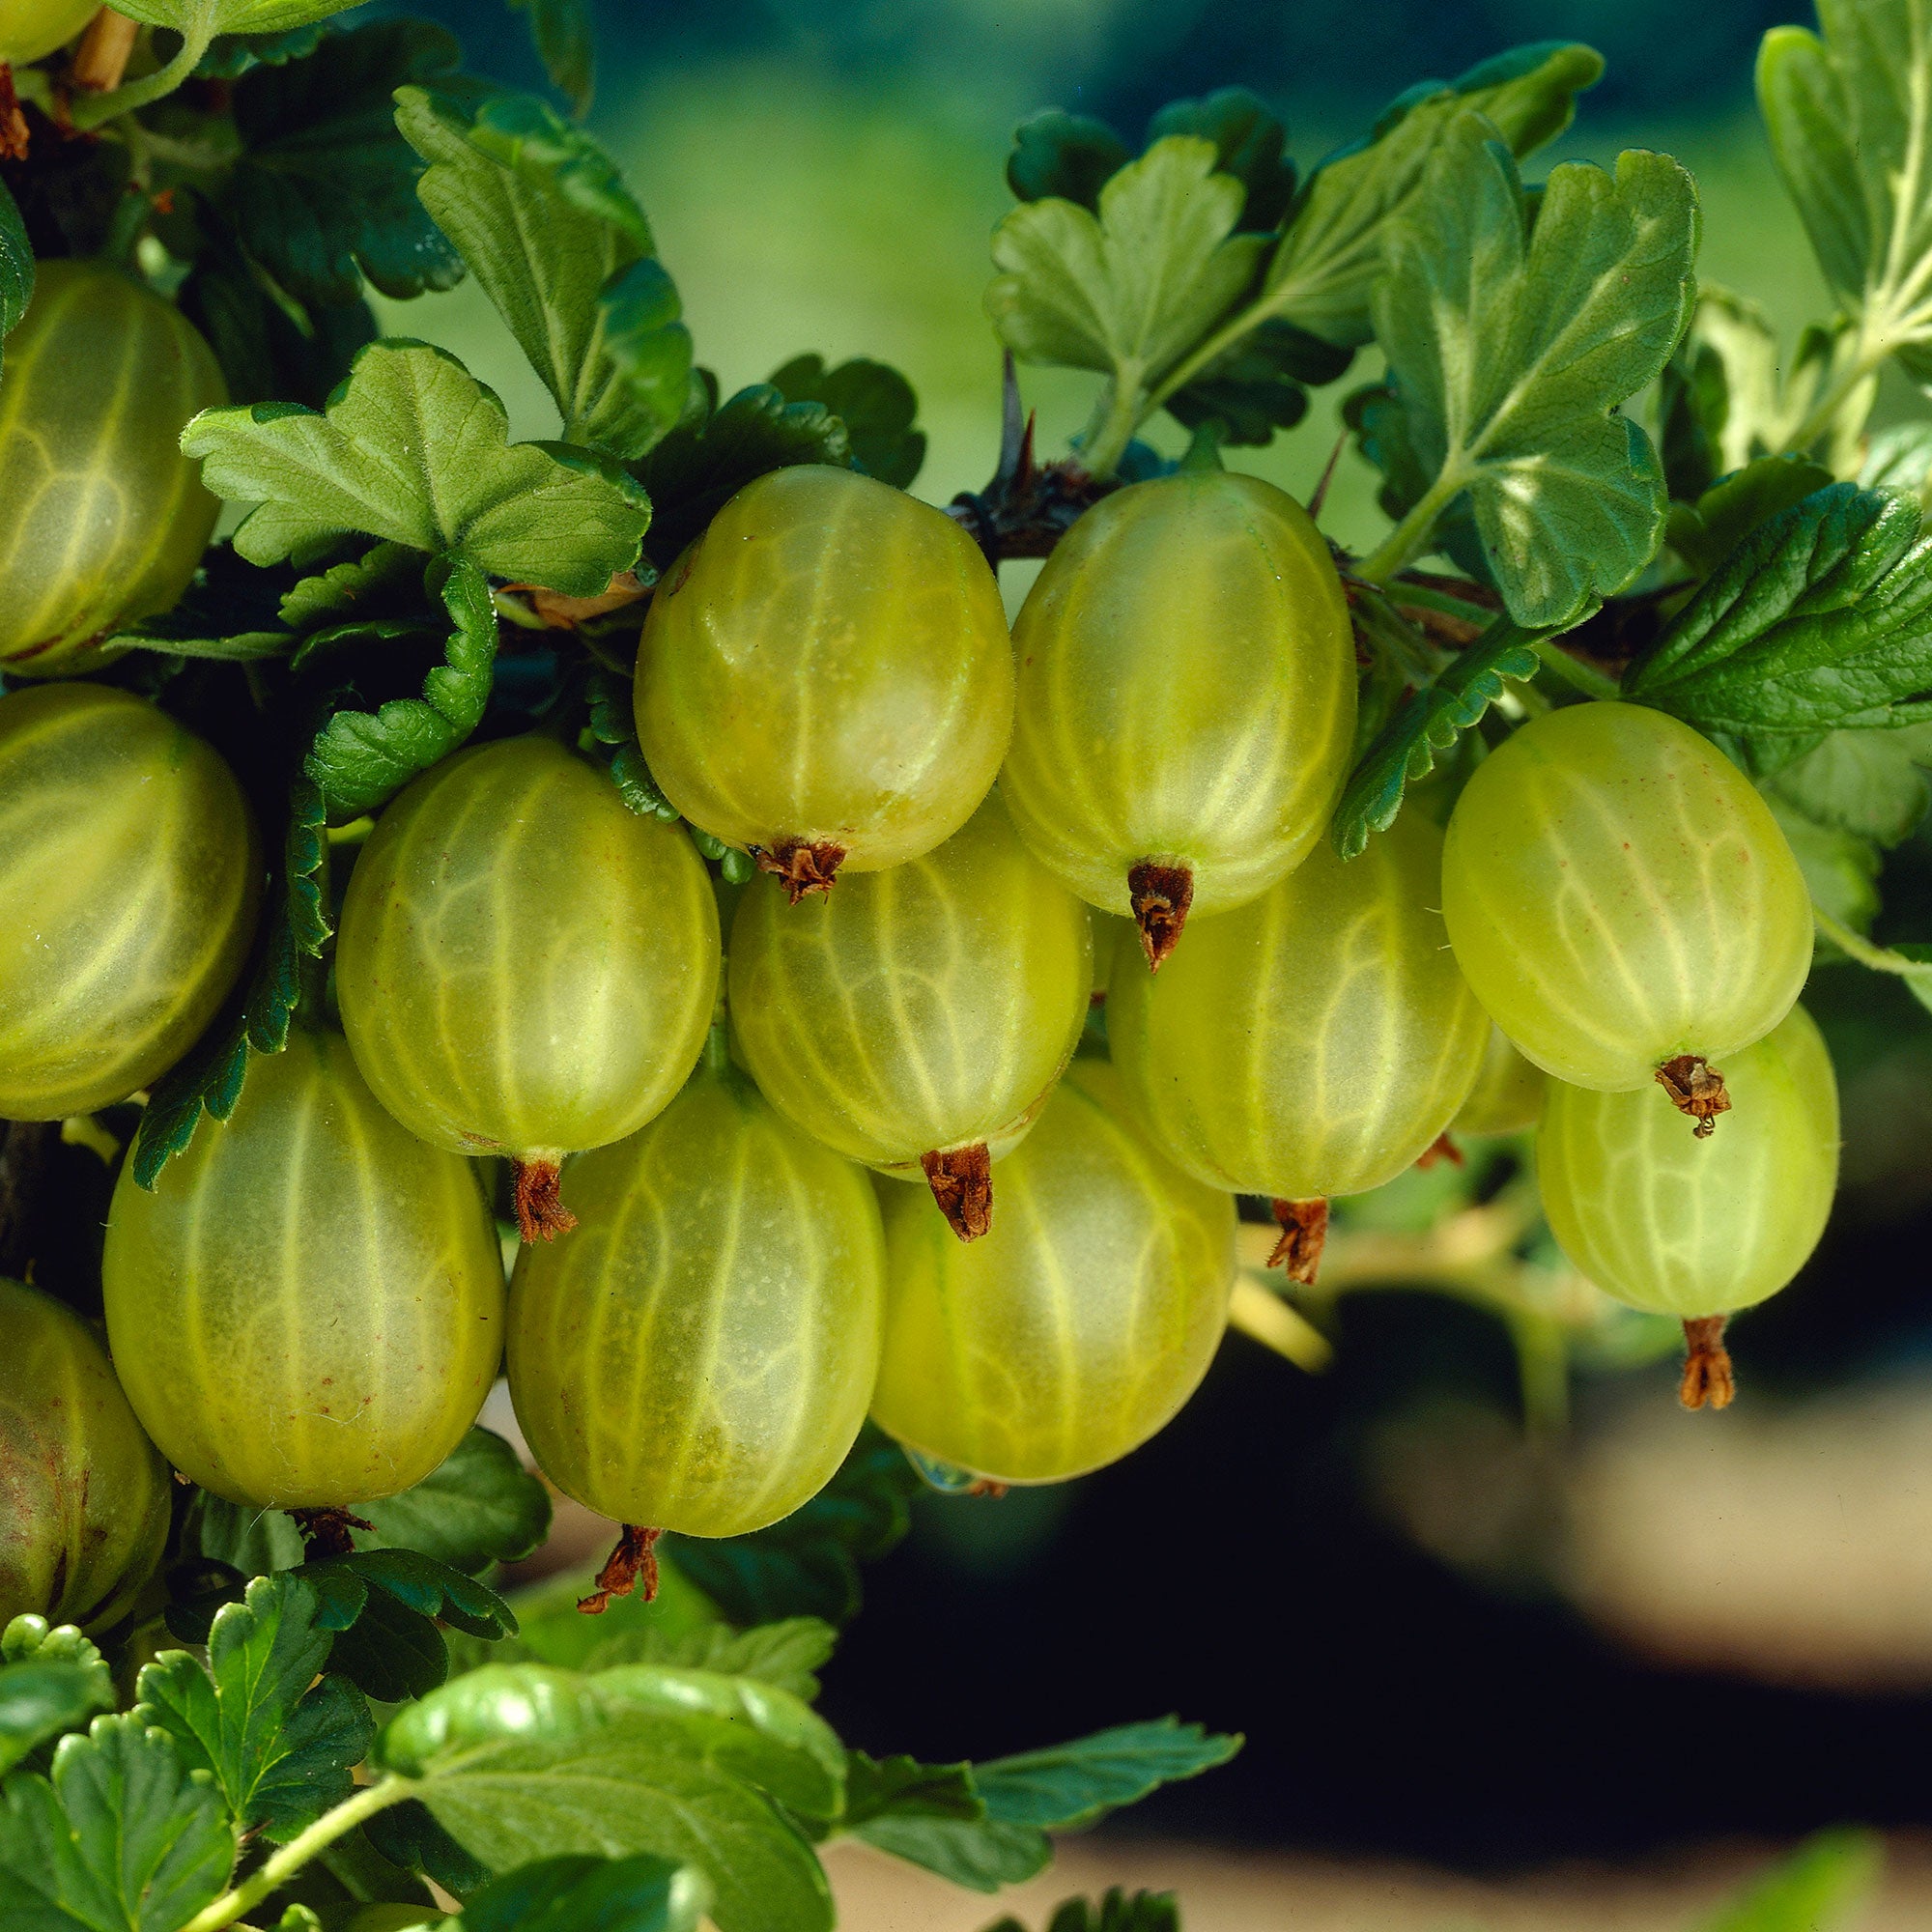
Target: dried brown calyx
(633,1563)
(324,1532)
(961,1180)
(13,123)
(1708,1381)
(801,865)
(1442,1148)
(1304,1234)
(541,1215)
(1160,895)
(559,612)
(989,1487)
(1695,1087)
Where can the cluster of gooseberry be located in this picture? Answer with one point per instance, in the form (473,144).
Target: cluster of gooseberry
(308,1308)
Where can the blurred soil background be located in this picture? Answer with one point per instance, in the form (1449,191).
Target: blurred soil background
(1486,1684)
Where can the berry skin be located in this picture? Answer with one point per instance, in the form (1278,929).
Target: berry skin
(307,1311)
(921,1011)
(1187,707)
(130,878)
(1083,1320)
(32,29)
(825,676)
(83,1493)
(1680,1226)
(526,966)
(1315,1042)
(106,518)
(1620,897)
(699,1355)
(1508,1094)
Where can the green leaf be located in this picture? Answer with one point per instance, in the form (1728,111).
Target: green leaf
(566,45)
(1067,156)
(1875,785)
(480,1507)
(1815,1890)
(39,1702)
(1325,270)
(787,1653)
(16,264)
(1076,1784)
(250,1541)
(209,1078)
(385,1606)
(1900,458)
(29,1639)
(1116,1912)
(981,1856)
(642,1894)
(1128,291)
(547,226)
(413,448)
(1817,620)
(203,19)
(1705,533)
(1840,868)
(613,726)
(280,1751)
(1430,721)
(361,759)
(232,55)
(124,1838)
(232,611)
(1260,383)
(808,1564)
(1512,350)
(406,1836)
(626,1788)
(1850,123)
(876,404)
(325,190)
(901,1787)
(700,465)
(1248,140)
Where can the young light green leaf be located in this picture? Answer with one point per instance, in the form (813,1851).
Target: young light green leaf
(1817,620)
(642,1894)
(199,21)
(1326,268)
(1428,721)
(413,448)
(787,1653)
(39,1702)
(626,1788)
(324,192)
(1131,290)
(566,45)
(361,759)
(547,226)
(480,1507)
(1876,784)
(876,404)
(1815,1890)
(280,1751)
(124,1838)
(1512,350)
(1072,1785)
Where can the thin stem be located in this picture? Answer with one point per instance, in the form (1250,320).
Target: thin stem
(1880,958)
(1422,598)
(1101,452)
(297,1853)
(1579,677)
(96,110)
(1410,537)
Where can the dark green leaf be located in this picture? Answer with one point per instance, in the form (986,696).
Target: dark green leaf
(123,1839)
(16,264)
(1260,385)
(39,1702)
(565,44)
(361,759)
(1116,1912)
(1072,1785)
(1512,351)
(1816,1889)
(1430,721)
(413,448)
(232,55)
(410,1838)
(901,1787)
(280,1751)
(1819,620)
(548,227)
(1875,785)
(873,401)
(252,1541)
(642,1894)
(481,1507)
(325,192)
(786,1653)
(808,1564)
(700,467)
(386,1605)
(1705,533)
(981,1856)
(613,724)
(1249,139)
(210,1077)
(232,610)
(1070,156)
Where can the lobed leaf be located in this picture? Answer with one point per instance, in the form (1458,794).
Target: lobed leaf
(981,1854)
(124,1838)
(542,220)
(876,404)
(481,1506)
(1073,1785)
(1428,721)
(40,1700)
(1840,868)
(901,1787)
(1064,157)
(203,19)
(232,55)
(1705,533)
(1511,351)
(1260,383)
(413,448)
(565,42)
(1249,140)
(640,1894)
(384,1606)
(279,1744)
(1818,619)
(1875,785)
(786,1653)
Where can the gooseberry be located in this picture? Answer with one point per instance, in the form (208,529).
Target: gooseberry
(526,966)
(916,1019)
(130,878)
(32,29)
(1508,1094)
